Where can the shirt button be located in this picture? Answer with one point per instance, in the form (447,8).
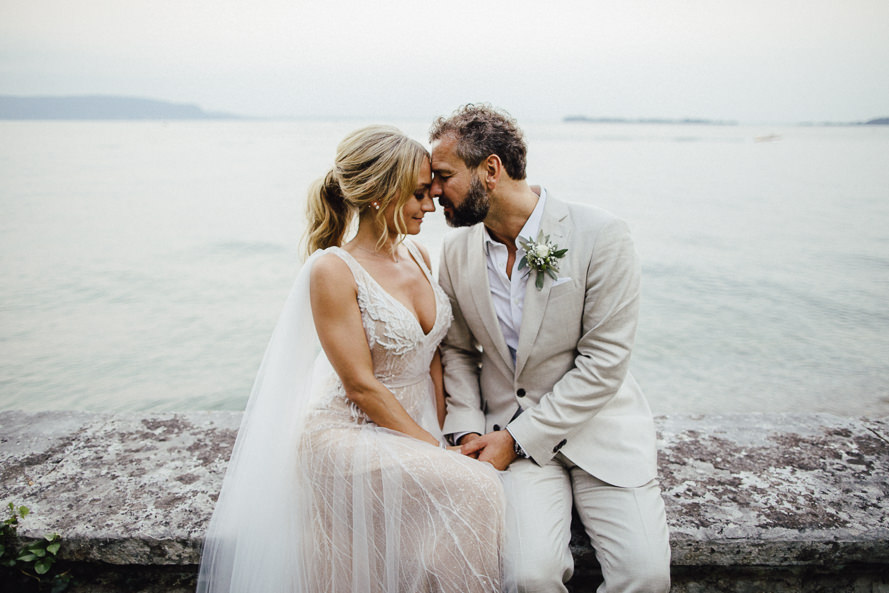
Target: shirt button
(559,446)
(496,427)
(520,393)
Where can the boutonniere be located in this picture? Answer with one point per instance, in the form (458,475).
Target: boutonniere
(542,256)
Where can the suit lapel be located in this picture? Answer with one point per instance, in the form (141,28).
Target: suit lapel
(552,224)
(480,289)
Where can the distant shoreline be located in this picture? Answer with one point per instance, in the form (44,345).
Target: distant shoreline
(102,107)
(650,120)
(881,121)
(112,107)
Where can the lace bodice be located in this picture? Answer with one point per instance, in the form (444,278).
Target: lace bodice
(400,350)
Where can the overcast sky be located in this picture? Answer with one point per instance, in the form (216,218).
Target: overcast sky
(747,60)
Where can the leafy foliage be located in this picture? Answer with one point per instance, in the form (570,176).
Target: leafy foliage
(34,559)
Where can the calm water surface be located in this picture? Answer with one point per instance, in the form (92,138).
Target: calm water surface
(144,263)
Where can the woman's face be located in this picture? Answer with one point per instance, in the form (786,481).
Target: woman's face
(417,205)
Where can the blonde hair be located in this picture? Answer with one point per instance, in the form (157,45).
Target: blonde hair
(376,164)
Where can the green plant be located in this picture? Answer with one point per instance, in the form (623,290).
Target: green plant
(34,559)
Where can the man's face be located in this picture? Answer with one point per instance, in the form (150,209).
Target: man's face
(458,189)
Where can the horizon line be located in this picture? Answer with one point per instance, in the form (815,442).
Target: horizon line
(194,111)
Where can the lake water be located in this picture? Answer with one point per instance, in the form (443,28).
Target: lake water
(144,264)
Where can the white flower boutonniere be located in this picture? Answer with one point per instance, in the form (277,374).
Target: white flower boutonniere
(542,256)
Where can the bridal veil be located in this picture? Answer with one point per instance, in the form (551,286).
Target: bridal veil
(255,539)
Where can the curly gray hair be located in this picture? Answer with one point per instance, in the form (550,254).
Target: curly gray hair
(482,130)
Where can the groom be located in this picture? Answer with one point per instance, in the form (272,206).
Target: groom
(536,360)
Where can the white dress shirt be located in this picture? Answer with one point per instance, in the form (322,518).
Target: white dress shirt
(508,292)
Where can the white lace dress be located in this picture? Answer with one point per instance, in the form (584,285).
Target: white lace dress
(390,513)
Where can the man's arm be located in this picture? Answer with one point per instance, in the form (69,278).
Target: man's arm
(610,315)
(461,359)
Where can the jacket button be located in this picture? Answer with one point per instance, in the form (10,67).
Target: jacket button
(496,427)
(560,445)
(520,393)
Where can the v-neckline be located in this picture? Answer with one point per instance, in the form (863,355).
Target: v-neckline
(426,275)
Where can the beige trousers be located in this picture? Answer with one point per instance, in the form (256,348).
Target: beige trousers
(626,526)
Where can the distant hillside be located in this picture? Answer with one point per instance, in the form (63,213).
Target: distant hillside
(99,107)
(653,120)
(880,121)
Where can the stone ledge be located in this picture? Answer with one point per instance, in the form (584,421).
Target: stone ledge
(795,494)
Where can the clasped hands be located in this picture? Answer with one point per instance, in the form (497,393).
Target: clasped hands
(497,448)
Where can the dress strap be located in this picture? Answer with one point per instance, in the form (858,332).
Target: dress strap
(357,269)
(418,257)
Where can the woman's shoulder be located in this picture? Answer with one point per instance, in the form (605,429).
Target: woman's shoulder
(331,271)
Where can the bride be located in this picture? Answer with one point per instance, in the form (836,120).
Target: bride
(340,480)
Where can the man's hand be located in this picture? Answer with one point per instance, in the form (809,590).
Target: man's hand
(497,448)
(468,438)
(465,440)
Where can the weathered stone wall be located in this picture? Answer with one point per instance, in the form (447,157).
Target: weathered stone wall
(754,502)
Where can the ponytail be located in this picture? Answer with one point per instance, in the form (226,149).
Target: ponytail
(374,165)
(328,214)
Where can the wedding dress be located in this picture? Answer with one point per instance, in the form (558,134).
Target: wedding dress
(317,498)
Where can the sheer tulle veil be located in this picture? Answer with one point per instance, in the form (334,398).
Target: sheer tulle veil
(254,539)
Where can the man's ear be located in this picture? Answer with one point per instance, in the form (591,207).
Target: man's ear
(491,169)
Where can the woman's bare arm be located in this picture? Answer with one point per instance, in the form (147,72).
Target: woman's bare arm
(338,324)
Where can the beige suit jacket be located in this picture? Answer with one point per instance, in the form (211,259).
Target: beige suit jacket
(571,377)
